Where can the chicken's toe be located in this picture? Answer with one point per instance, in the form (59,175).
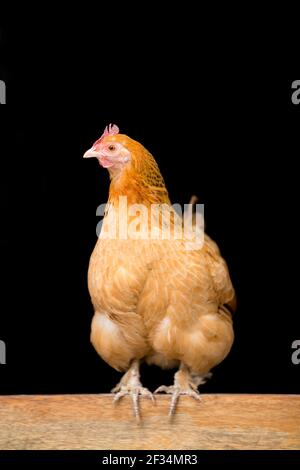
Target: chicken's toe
(134,392)
(176,391)
(130,385)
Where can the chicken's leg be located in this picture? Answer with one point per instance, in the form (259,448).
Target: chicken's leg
(185,383)
(130,385)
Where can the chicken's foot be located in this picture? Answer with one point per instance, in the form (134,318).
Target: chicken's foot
(130,385)
(185,383)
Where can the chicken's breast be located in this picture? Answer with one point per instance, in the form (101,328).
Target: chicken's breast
(156,300)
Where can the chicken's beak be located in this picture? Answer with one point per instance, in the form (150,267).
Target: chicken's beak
(91,153)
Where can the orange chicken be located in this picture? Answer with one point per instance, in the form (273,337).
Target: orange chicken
(154,299)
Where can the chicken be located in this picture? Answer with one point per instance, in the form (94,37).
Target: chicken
(154,299)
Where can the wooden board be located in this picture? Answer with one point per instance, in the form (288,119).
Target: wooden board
(93,422)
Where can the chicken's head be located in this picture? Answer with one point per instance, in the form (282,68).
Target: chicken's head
(133,170)
(111,150)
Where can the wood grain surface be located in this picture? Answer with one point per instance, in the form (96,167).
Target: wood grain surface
(93,422)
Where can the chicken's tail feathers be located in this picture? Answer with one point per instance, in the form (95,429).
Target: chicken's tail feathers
(194,199)
(192,209)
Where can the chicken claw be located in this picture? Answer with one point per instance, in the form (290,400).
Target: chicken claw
(176,391)
(184,384)
(130,385)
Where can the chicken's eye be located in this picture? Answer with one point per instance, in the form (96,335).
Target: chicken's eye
(111,148)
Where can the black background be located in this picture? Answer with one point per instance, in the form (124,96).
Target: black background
(228,135)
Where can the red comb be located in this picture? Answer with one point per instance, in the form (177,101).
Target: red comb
(111,129)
